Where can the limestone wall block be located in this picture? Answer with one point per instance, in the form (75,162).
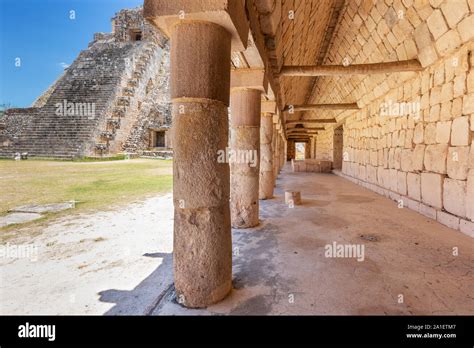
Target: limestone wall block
(454,196)
(443,132)
(430,133)
(435,158)
(458,162)
(414,186)
(393,177)
(470,195)
(402,183)
(460,133)
(432,189)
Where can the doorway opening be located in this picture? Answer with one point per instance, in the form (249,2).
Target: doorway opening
(135,35)
(157,139)
(300,151)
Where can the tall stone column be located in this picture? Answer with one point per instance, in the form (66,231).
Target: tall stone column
(276,144)
(282,150)
(245,146)
(200,89)
(266,157)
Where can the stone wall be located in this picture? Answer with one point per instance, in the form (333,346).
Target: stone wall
(424,160)
(155,109)
(290,150)
(324,145)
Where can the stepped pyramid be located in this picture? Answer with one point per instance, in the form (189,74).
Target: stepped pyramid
(114,98)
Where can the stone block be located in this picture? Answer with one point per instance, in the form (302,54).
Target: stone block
(458,162)
(454,11)
(414,186)
(437,24)
(446,92)
(432,189)
(435,95)
(427,211)
(435,158)
(466,28)
(413,205)
(406,160)
(448,42)
(459,86)
(435,113)
(418,134)
(466,227)
(470,81)
(393,180)
(448,220)
(402,183)
(470,195)
(418,156)
(454,196)
(460,133)
(468,104)
(445,112)
(231,15)
(443,132)
(430,133)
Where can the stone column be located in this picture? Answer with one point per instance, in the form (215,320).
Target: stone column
(275,152)
(245,168)
(266,157)
(202,234)
(282,151)
(202,37)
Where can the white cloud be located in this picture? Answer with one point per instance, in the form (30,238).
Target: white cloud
(64,65)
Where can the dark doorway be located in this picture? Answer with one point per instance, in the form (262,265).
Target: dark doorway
(160,139)
(136,35)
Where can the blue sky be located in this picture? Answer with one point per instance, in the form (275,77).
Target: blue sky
(42,35)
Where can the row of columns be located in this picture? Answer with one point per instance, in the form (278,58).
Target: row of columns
(209,195)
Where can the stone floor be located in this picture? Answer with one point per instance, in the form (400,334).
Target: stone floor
(279,267)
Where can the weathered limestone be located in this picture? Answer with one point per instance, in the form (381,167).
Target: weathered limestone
(202,239)
(454,196)
(245,142)
(432,189)
(293,197)
(200,89)
(470,195)
(267,178)
(275,147)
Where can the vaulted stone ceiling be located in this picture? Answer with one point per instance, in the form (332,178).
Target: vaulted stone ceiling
(294,32)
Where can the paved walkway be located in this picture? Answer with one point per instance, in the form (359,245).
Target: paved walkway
(282,268)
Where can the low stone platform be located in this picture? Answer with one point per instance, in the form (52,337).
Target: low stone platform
(45,208)
(311,165)
(31,212)
(18,218)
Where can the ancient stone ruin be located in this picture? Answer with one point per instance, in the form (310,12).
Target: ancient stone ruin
(114,98)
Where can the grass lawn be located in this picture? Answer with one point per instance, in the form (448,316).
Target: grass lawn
(95,185)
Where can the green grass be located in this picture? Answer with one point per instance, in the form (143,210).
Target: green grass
(95,185)
(101,159)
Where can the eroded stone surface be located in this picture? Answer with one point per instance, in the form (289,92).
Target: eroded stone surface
(18,218)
